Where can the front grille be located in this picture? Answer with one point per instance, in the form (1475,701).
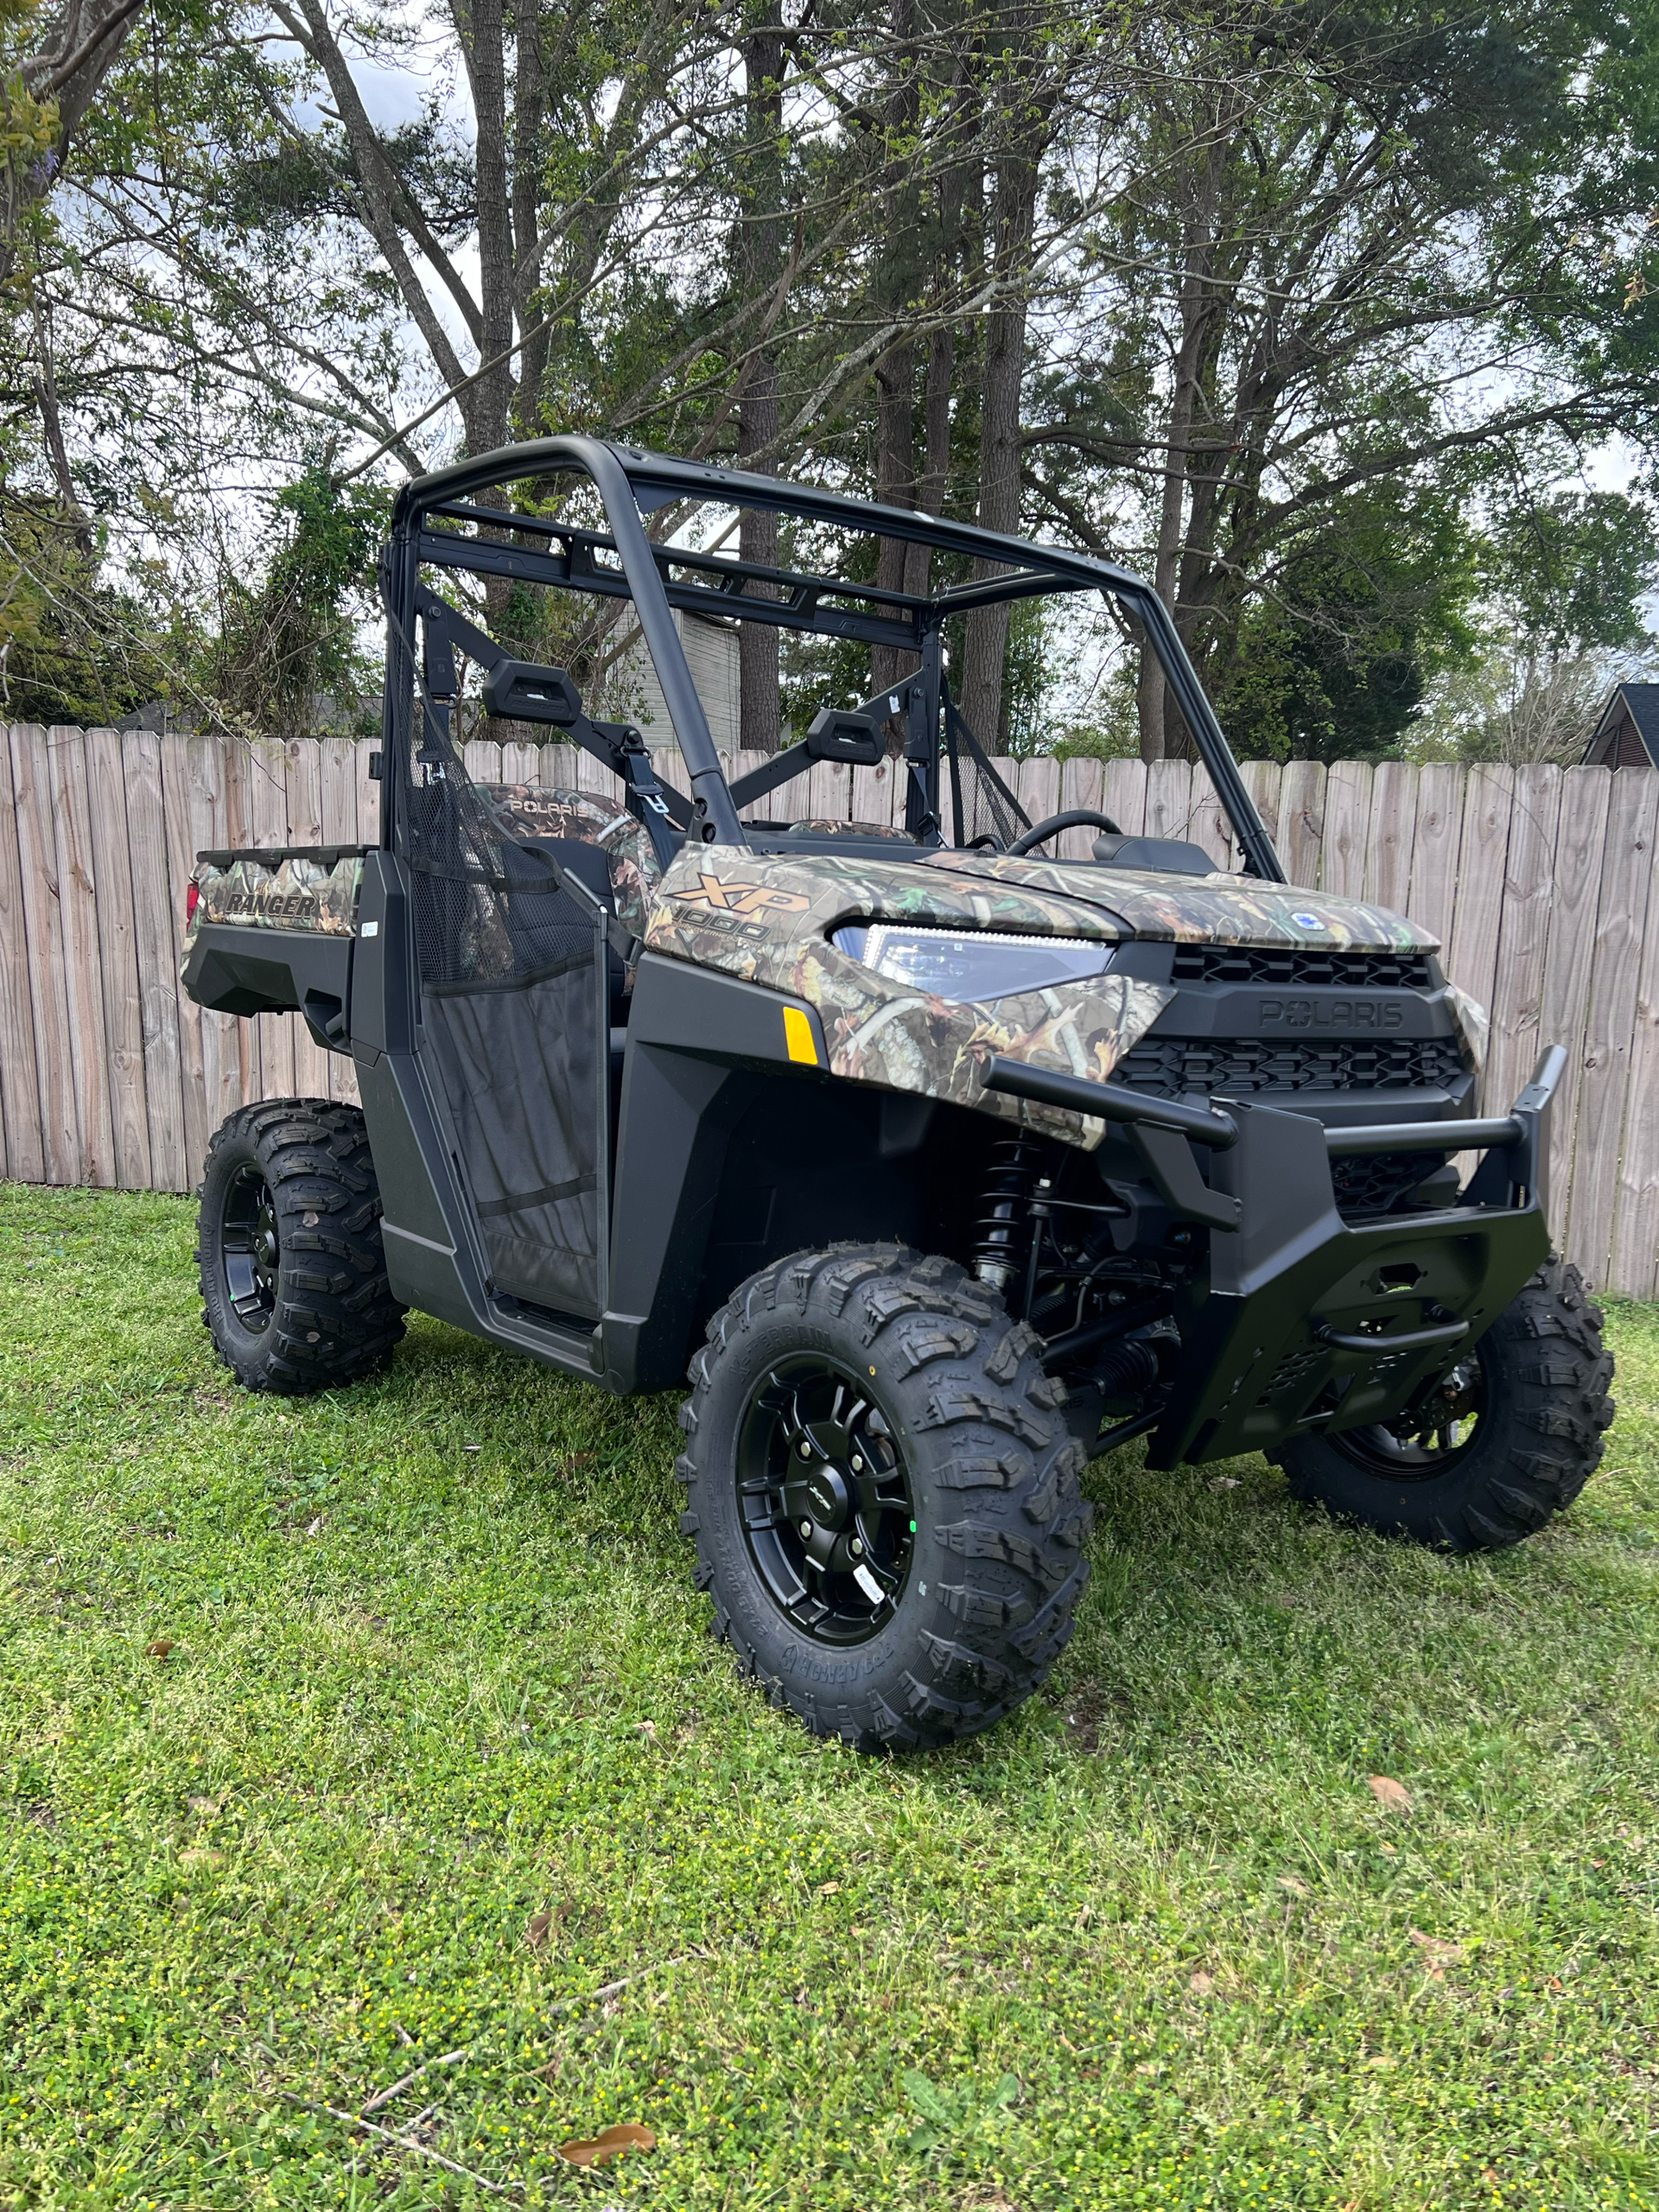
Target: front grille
(1167,1066)
(1301,963)
(1370,1182)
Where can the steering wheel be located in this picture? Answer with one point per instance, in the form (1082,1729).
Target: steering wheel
(1075,817)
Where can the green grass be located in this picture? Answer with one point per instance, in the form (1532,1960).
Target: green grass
(421,1693)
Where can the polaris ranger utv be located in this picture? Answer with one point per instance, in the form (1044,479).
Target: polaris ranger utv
(946,1161)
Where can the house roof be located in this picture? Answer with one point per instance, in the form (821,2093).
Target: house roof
(1640,703)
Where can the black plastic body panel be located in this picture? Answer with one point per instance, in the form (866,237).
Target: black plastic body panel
(1259,1369)
(237,969)
(703,1049)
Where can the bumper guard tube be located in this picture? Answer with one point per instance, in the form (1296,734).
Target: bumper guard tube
(1302,1321)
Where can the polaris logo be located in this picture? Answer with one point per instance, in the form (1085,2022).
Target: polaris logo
(1373,1012)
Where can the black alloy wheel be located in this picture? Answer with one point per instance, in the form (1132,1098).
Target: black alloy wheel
(293,1273)
(825,1498)
(884,1494)
(1440,1428)
(1491,1453)
(250,1245)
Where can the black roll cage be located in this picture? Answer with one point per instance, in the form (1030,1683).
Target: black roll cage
(658,577)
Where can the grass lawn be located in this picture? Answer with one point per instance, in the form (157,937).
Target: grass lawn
(440,1751)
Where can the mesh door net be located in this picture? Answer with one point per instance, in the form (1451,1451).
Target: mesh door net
(981,805)
(512,981)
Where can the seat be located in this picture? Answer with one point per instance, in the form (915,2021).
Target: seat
(530,812)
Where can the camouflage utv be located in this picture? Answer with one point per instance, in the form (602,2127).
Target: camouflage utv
(947,1161)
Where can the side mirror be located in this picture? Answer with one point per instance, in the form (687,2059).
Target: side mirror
(834,734)
(518,691)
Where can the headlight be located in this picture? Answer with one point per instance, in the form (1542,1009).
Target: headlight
(959,965)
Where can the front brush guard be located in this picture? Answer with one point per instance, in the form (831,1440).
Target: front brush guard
(1304,1323)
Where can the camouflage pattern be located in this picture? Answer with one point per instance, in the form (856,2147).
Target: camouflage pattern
(768,919)
(297,895)
(524,810)
(1474,1025)
(824,825)
(1218,909)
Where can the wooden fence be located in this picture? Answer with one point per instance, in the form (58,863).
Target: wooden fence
(1538,880)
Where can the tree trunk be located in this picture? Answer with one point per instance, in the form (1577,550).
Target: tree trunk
(528,111)
(485,405)
(987,641)
(760,262)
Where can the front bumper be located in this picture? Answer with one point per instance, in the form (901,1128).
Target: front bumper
(1303,1322)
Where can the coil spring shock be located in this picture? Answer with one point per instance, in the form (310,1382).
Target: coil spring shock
(1002,1231)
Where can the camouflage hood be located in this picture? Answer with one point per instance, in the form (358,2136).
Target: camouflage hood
(1218,909)
(768,919)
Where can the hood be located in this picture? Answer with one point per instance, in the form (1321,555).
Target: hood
(1218,909)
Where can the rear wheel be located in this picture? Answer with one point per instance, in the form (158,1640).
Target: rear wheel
(1491,1451)
(884,1495)
(294,1289)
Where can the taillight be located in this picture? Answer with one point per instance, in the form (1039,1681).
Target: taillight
(191,900)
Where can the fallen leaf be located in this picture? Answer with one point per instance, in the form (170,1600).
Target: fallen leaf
(1391,1849)
(1202,1983)
(311,1527)
(159,1649)
(199,1855)
(1436,1951)
(549,2073)
(1223,1481)
(647,1729)
(202,1805)
(1489,2174)
(1289,1882)
(1393,1796)
(536,1932)
(829,1888)
(1554,1983)
(610,2143)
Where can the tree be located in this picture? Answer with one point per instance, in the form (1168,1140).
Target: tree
(1387,271)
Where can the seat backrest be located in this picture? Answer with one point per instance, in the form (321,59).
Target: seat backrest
(531,812)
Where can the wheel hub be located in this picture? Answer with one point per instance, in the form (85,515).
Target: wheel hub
(251,1248)
(826,1501)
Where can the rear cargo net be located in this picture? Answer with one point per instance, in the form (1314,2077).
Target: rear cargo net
(513,984)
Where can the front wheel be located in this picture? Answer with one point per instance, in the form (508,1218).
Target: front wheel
(1495,1448)
(884,1495)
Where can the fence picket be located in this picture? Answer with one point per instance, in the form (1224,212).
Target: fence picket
(1471,959)
(118,958)
(1394,814)
(1436,843)
(1634,1266)
(1627,866)
(20,1089)
(1580,835)
(1524,902)
(1123,795)
(1081,781)
(180,859)
(43,941)
(1301,821)
(158,966)
(269,831)
(1347,827)
(302,766)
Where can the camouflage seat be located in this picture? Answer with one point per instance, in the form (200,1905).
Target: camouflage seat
(529,810)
